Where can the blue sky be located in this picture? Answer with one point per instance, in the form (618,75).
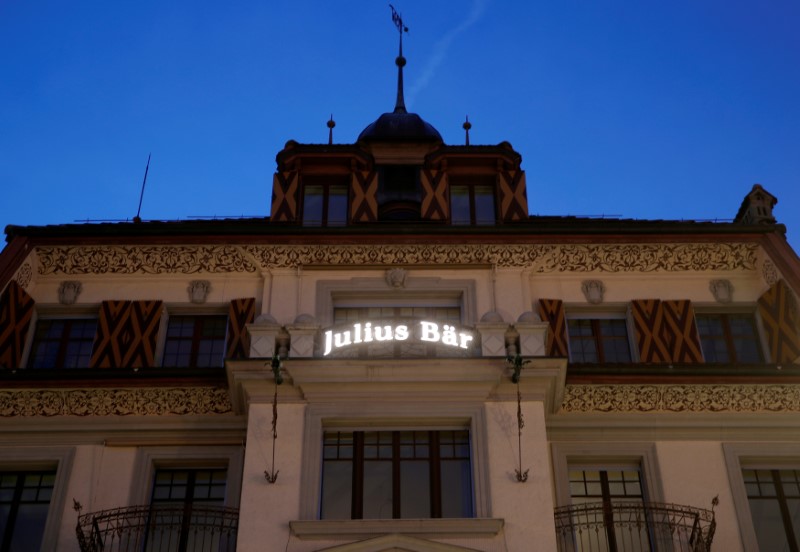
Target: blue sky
(639,109)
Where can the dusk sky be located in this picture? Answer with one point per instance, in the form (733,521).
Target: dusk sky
(650,110)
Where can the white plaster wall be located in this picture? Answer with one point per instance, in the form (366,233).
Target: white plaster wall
(266,509)
(692,473)
(526,507)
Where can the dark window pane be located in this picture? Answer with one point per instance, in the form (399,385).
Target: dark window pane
(63,343)
(313,199)
(415,494)
(459,205)
(484,205)
(377,489)
(337,206)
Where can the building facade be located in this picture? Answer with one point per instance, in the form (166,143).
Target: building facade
(400,358)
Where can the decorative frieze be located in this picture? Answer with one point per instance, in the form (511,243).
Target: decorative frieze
(539,258)
(135,259)
(114,402)
(743,398)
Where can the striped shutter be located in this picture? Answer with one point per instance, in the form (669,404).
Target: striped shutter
(513,196)
(435,205)
(680,331)
(552,310)
(364,191)
(666,331)
(16,312)
(781,322)
(127,332)
(242,311)
(648,319)
(285,190)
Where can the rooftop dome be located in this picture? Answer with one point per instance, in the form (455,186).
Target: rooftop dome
(400,125)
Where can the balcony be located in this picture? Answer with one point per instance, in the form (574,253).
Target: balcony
(161,528)
(633,527)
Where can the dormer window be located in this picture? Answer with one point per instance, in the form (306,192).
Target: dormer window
(472,203)
(399,196)
(324,203)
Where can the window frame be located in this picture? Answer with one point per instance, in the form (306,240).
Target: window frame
(610,456)
(184,310)
(195,339)
(471,184)
(150,459)
(579,313)
(768,456)
(380,417)
(45,458)
(326,184)
(727,312)
(56,312)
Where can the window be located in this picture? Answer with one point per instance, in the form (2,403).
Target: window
(62,343)
(774,499)
(729,338)
(195,341)
(179,513)
(324,204)
(472,204)
(620,492)
(603,340)
(396,474)
(24,502)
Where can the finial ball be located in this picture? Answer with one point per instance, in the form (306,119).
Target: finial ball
(400,61)
(331,123)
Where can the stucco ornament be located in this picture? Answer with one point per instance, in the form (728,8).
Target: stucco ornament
(199,290)
(722,290)
(593,291)
(24,275)
(769,272)
(68,292)
(396,277)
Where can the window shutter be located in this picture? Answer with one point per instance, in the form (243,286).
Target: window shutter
(648,319)
(285,189)
(513,196)
(364,193)
(126,334)
(16,312)
(680,331)
(781,322)
(552,310)
(242,311)
(435,205)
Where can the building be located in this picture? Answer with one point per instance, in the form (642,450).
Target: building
(401,358)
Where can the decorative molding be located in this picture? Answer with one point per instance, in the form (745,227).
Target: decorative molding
(115,402)
(540,258)
(745,398)
(24,275)
(69,291)
(396,277)
(593,290)
(135,259)
(122,259)
(198,291)
(722,290)
(769,272)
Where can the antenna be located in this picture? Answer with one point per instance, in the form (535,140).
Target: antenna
(331,124)
(137,218)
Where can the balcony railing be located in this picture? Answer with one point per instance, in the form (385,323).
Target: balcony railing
(159,528)
(633,527)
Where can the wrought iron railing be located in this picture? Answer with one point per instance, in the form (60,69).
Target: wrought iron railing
(159,528)
(633,527)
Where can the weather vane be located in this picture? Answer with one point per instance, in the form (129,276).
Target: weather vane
(398,22)
(400,105)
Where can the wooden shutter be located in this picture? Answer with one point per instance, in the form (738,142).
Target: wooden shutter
(242,311)
(435,205)
(364,191)
(513,196)
(552,310)
(285,190)
(680,332)
(781,322)
(126,334)
(648,319)
(16,312)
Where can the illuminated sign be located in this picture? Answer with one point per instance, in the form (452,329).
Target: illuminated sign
(431,332)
